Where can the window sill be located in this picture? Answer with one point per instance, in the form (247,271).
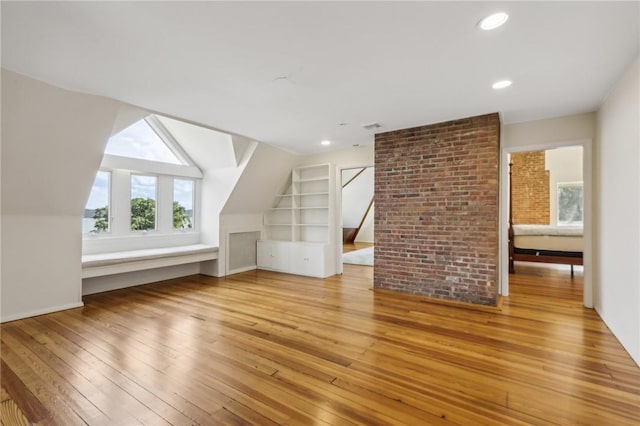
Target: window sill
(107,243)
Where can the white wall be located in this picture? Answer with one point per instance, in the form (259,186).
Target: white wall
(360,156)
(564,165)
(210,149)
(217,187)
(264,177)
(546,132)
(367,231)
(356,196)
(617,219)
(44,129)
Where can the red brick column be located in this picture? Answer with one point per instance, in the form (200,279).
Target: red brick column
(436,216)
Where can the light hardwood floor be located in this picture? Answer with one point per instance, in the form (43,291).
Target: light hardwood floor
(266,348)
(347,247)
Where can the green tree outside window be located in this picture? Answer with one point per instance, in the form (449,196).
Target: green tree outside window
(181,219)
(143,214)
(101,216)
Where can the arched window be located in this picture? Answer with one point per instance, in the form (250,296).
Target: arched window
(146,185)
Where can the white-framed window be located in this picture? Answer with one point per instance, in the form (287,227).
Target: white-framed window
(147,187)
(143,202)
(570,204)
(142,141)
(96,217)
(184,191)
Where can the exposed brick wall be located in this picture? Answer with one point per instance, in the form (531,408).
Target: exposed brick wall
(530,190)
(436,216)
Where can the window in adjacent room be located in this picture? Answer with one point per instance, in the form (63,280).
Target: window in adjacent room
(570,202)
(96,213)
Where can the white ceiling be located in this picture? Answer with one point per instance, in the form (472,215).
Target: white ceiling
(290,73)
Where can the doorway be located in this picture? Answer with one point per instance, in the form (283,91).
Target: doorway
(357,213)
(551,210)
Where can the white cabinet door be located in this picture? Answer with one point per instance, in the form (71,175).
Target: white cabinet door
(280,256)
(308,259)
(273,255)
(263,254)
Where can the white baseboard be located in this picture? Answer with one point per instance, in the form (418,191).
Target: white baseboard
(41,311)
(244,269)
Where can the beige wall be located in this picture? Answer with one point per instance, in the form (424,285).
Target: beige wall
(549,131)
(44,130)
(564,165)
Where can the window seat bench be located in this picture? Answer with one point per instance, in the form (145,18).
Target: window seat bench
(97,265)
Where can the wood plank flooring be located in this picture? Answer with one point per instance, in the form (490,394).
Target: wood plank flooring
(265,348)
(347,247)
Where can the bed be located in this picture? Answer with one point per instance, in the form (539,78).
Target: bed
(543,243)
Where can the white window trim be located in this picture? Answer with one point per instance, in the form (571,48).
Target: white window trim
(110,162)
(156,228)
(109,206)
(168,139)
(193,203)
(120,236)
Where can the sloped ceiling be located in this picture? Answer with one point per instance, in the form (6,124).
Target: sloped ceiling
(208,148)
(294,73)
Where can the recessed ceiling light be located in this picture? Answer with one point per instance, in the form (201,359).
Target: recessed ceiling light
(501,84)
(325,142)
(492,22)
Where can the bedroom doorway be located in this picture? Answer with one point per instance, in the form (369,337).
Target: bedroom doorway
(357,210)
(548,202)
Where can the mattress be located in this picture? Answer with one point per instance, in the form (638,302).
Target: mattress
(572,243)
(547,230)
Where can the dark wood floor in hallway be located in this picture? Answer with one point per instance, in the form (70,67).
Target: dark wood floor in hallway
(266,348)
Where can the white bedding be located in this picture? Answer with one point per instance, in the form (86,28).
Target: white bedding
(547,237)
(549,242)
(547,230)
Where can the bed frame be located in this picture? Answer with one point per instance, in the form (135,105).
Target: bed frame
(532,255)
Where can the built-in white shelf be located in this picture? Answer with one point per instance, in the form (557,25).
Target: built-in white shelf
(305,214)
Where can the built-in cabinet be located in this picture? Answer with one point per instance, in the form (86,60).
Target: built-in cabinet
(273,255)
(302,222)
